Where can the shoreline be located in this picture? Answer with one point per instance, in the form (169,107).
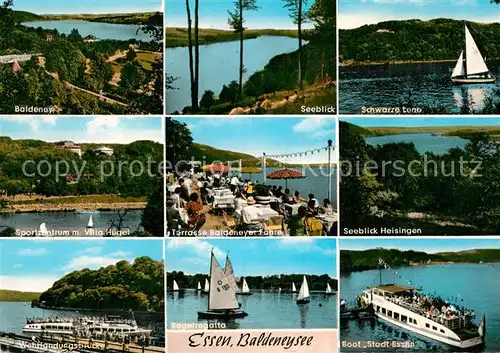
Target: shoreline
(422,264)
(395,62)
(40,208)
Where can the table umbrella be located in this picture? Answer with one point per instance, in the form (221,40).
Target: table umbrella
(216,168)
(286,174)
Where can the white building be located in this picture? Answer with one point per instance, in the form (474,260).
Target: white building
(104,150)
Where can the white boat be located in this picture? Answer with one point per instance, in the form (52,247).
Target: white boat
(199,286)
(70,325)
(42,230)
(329,290)
(294,289)
(245,290)
(207,286)
(87,211)
(175,286)
(474,70)
(222,303)
(303,297)
(91,223)
(404,307)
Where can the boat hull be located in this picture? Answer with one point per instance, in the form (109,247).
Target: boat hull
(244,294)
(470,81)
(467,344)
(303,301)
(331,293)
(221,315)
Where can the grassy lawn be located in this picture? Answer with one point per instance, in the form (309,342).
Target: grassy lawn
(17,296)
(145,59)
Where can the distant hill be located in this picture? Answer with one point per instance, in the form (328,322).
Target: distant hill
(17,296)
(352,261)
(415,40)
(117,18)
(24,16)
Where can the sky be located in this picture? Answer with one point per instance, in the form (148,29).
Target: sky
(254,257)
(414,122)
(356,13)
(87,6)
(427,245)
(213,14)
(256,135)
(83,130)
(34,265)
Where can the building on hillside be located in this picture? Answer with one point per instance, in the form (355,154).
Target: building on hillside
(16,67)
(70,146)
(103,150)
(49,37)
(384,31)
(90,38)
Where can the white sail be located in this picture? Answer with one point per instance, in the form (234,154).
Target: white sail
(244,287)
(221,295)
(176,286)
(459,69)
(304,290)
(42,229)
(91,223)
(328,288)
(294,289)
(229,272)
(207,285)
(199,285)
(474,60)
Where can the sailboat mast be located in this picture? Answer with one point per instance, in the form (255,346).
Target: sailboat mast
(211,259)
(465,48)
(380,273)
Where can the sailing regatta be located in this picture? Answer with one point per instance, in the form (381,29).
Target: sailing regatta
(222,303)
(303,297)
(329,290)
(207,286)
(245,290)
(474,70)
(199,286)
(294,289)
(175,286)
(91,222)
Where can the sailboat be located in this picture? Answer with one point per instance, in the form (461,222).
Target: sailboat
(245,290)
(303,297)
(222,303)
(91,223)
(175,286)
(474,70)
(207,287)
(329,290)
(294,289)
(199,286)
(42,230)
(229,272)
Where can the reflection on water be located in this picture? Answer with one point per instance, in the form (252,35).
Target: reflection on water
(423,85)
(303,309)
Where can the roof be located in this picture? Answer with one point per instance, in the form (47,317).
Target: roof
(393,288)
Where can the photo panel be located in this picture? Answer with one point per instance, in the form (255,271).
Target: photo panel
(244,176)
(89,57)
(419,295)
(419,57)
(249,57)
(235,293)
(81,177)
(415,177)
(94,295)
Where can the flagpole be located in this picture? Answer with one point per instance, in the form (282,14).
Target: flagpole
(329,169)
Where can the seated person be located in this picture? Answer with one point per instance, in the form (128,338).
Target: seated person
(250,215)
(297,198)
(293,98)
(240,202)
(174,219)
(297,225)
(314,226)
(281,103)
(312,198)
(327,208)
(287,197)
(197,216)
(266,103)
(312,209)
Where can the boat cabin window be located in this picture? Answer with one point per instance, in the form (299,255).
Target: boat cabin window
(441,330)
(415,322)
(389,313)
(378,308)
(396,316)
(427,325)
(125,330)
(67,328)
(383,311)
(404,318)
(434,328)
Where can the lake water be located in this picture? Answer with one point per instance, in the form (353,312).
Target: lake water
(14,316)
(476,286)
(424,142)
(219,65)
(267,310)
(69,221)
(97,29)
(390,86)
(315,182)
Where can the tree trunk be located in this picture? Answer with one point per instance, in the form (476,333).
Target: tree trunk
(299,23)
(190,52)
(241,49)
(197,53)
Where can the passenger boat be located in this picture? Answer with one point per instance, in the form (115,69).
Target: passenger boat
(431,317)
(222,303)
(69,326)
(474,70)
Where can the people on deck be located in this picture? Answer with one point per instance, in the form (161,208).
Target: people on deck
(327,208)
(239,201)
(297,225)
(312,198)
(197,216)
(287,197)
(312,208)
(314,226)
(297,198)
(184,194)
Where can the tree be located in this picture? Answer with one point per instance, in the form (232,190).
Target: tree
(207,100)
(131,54)
(193,70)
(102,70)
(178,142)
(74,36)
(7,23)
(152,217)
(130,79)
(229,93)
(298,14)
(236,21)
